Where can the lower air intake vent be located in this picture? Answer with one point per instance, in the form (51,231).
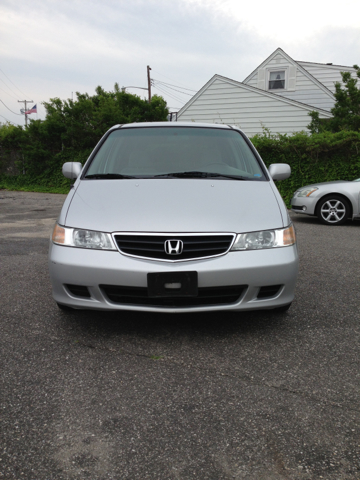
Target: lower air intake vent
(78,290)
(269,291)
(206,296)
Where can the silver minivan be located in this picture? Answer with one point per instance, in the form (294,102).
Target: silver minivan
(174,217)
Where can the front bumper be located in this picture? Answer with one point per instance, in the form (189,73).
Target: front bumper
(92,268)
(304,205)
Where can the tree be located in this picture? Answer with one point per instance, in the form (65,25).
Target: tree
(72,128)
(316,125)
(81,123)
(346,111)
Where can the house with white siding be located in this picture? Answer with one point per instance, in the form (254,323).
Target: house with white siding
(278,95)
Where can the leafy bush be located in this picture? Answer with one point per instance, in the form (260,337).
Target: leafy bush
(69,133)
(321,157)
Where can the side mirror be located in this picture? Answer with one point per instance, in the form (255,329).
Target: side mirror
(71,169)
(279,171)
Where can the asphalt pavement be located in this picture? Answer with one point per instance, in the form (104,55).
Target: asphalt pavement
(92,395)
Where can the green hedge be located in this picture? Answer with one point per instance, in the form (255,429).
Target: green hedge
(317,158)
(50,179)
(321,157)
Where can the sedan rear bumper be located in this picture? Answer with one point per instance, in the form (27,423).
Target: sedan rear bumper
(98,270)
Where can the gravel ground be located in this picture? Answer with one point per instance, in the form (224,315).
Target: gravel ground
(130,396)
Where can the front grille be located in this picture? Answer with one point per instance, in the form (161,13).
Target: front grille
(206,296)
(194,246)
(269,291)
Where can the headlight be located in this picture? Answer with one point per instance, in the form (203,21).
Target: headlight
(306,192)
(74,237)
(265,239)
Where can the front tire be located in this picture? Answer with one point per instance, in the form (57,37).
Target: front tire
(333,210)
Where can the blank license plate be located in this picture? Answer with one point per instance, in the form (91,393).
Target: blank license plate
(172,284)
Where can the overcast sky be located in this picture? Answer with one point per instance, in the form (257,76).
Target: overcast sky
(53,48)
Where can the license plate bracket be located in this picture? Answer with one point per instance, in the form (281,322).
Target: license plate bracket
(172,284)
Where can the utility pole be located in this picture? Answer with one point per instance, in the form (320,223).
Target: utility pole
(149,82)
(25,101)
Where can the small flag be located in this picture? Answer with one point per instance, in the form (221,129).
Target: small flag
(32,110)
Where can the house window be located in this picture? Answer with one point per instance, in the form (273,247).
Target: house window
(277,80)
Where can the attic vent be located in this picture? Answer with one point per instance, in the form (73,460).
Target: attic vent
(261,78)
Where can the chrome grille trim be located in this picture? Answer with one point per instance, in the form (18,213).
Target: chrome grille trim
(203,243)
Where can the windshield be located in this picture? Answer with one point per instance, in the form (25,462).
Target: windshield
(181,152)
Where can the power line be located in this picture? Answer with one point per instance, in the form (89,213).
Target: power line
(12,83)
(162,75)
(168,93)
(7,93)
(9,109)
(165,89)
(171,94)
(165,85)
(10,121)
(8,86)
(171,85)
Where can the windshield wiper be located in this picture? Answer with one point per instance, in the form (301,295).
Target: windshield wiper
(235,177)
(197,174)
(107,176)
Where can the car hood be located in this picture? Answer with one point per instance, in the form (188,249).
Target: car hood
(326,183)
(174,205)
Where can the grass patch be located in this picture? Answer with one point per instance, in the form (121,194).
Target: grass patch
(34,188)
(25,183)
(156,357)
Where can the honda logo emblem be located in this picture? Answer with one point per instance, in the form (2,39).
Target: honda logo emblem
(173,247)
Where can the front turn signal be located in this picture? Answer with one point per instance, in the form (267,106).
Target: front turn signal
(289,237)
(58,235)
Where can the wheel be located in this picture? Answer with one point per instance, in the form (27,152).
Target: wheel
(64,308)
(333,210)
(282,309)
